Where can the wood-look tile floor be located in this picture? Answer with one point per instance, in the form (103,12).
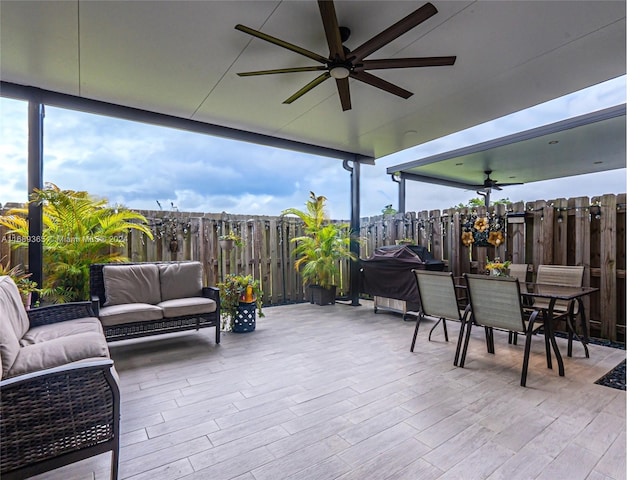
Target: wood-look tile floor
(333,392)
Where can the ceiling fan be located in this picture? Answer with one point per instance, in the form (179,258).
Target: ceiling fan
(491,184)
(343,63)
(488,185)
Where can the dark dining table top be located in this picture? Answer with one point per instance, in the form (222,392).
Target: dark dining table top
(560,292)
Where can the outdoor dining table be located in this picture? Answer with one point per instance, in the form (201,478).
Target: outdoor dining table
(554,293)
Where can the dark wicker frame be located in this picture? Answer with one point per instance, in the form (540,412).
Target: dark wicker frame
(61,415)
(151,327)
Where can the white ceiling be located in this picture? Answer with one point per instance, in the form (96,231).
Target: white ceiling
(588,143)
(181,59)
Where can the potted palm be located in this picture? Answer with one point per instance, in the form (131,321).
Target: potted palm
(320,249)
(240,300)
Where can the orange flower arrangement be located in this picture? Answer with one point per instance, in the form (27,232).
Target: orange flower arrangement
(467,238)
(481,224)
(496,238)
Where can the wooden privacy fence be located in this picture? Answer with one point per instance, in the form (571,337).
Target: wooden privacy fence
(577,231)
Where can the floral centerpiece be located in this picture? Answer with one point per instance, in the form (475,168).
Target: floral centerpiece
(498,268)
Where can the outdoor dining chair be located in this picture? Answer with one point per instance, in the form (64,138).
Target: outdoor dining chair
(438,299)
(496,304)
(519,271)
(567,275)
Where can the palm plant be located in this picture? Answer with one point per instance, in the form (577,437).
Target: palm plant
(78,230)
(322,245)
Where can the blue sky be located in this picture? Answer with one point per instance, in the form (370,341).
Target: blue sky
(139,165)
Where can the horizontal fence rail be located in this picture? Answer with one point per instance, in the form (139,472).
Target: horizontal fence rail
(576,231)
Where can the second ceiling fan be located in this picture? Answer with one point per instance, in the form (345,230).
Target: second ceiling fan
(342,63)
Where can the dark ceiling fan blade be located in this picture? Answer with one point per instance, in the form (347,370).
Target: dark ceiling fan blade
(331,29)
(394,31)
(282,43)
(283,70)
(407,63)
(381,84)
(312,84)
(343,91)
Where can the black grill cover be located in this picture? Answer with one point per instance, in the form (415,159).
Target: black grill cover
(387,273)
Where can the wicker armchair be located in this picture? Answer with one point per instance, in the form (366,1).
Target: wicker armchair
(60,400)
(59,416)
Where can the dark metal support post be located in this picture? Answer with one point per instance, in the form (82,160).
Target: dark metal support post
(35,181)
(355,230)
(402,191)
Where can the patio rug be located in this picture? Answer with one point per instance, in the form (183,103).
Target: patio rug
(617,377)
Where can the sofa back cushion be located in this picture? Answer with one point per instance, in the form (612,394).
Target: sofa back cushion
(138,283)
(180,280)
(14,322)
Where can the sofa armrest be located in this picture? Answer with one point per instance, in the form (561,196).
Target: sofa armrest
(213,293)
(56,413)
(95,304)
(59,313)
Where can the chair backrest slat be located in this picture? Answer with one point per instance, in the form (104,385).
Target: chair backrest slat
(519,271)
(437,294)
(568,275)
(495,302)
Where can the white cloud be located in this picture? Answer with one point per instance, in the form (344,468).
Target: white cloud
(138,164)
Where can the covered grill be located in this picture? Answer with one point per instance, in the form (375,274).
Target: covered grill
(386,275)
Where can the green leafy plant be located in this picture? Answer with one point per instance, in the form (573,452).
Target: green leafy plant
(20,277)
(479,202)
(389,210)
(236,239)
(405,241)
(78,230)
(235,289)
(322,245)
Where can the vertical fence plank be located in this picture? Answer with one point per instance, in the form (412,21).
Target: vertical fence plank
(608,279)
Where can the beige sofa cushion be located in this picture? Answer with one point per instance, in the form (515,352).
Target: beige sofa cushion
(187,306)
(44,333)
(180,280)
(131,284)
(14,322)
(129,313)
(59,351)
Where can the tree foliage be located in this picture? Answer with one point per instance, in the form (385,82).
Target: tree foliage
(78,230)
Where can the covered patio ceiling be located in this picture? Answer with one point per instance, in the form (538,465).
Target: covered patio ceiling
(588,143)
(181,59)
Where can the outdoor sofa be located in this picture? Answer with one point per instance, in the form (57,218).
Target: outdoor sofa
(59,394)
(146,298)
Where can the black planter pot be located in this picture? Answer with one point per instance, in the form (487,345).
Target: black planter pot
(245,318)
(322,296)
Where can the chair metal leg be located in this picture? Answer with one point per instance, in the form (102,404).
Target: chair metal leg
(415,332)
(456,359)
(467,335)
(527,351)
(583,325)
(433,328)
(488,333)
(114,462)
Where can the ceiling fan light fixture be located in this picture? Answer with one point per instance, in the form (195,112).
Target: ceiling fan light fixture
(339,72)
